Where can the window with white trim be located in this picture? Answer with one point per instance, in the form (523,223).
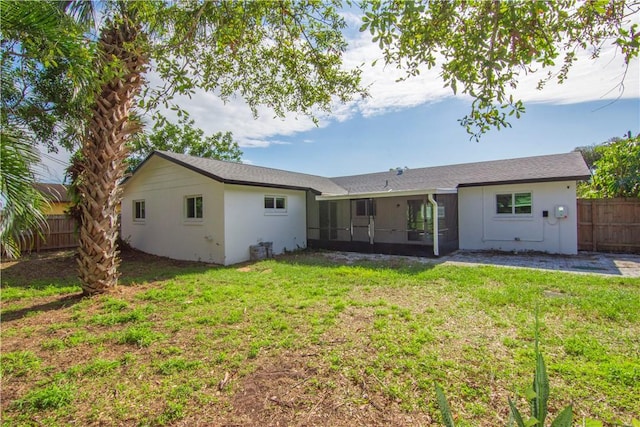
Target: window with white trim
(275,204)
(139,213)
(193,208)
(513,203)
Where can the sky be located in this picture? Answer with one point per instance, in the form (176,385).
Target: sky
(414,123)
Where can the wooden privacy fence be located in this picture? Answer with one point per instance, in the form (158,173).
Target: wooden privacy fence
(609,225)
(61,234)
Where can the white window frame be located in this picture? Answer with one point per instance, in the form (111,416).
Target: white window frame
(513,213)
(136,211)
(185,203)
(275,198)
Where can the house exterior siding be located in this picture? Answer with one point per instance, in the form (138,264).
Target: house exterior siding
(192,208)
(165,231)
(247,223)
(57,208)
(481,228)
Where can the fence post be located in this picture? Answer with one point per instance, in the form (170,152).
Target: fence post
(594,233)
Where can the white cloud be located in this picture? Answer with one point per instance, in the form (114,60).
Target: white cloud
(261,143)
(387,93)
(213,115)
(589,80)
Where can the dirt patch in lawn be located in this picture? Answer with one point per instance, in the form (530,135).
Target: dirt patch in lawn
(302,388)
(56,266)
(299,390)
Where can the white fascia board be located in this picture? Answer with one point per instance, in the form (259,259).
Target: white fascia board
(389,193)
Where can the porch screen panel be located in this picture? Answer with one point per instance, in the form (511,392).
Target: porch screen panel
(362,211)
(419,220)
(328,220)
(415,220)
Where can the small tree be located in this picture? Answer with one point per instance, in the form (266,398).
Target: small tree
(183,138)
(617,172)
(589,154)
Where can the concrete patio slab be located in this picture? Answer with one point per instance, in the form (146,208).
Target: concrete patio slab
(621,265)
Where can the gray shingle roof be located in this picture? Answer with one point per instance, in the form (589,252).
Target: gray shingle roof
(555,167)
(568,166)
(239,173)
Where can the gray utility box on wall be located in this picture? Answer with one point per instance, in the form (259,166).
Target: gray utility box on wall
(261,251)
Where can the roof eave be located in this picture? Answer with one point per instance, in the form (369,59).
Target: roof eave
(388,193)
(260,184)
(525,181)
(216,177)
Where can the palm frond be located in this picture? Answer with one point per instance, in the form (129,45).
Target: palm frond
(22,213)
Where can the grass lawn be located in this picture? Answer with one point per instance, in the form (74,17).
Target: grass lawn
(306,340)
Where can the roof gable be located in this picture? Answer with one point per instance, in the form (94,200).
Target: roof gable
(243,174)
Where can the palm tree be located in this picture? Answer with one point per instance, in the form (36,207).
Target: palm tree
(286,55)
(104,151)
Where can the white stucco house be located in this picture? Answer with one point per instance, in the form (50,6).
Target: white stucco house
(191,208)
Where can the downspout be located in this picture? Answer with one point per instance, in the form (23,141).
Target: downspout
(434,204)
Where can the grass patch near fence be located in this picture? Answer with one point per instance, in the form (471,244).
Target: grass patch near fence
(306,339)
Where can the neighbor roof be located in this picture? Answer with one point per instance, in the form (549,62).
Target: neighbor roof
(53,192)
(555,167)
(242,174)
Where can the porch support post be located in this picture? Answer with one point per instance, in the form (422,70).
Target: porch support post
(372,224)
(351,220)
(434,216)
(372,229)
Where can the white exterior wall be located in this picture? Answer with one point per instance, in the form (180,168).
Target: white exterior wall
(247,223)
(163,186)
(482,229)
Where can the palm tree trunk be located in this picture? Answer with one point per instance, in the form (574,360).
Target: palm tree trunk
(103,154)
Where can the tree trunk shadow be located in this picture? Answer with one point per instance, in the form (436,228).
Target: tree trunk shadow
(63,302)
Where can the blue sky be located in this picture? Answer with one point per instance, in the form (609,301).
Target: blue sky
(414,123)
(429,135)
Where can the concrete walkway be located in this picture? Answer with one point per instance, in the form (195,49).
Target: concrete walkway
(625,265)
(621,265)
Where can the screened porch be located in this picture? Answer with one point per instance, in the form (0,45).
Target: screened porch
(402,225)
